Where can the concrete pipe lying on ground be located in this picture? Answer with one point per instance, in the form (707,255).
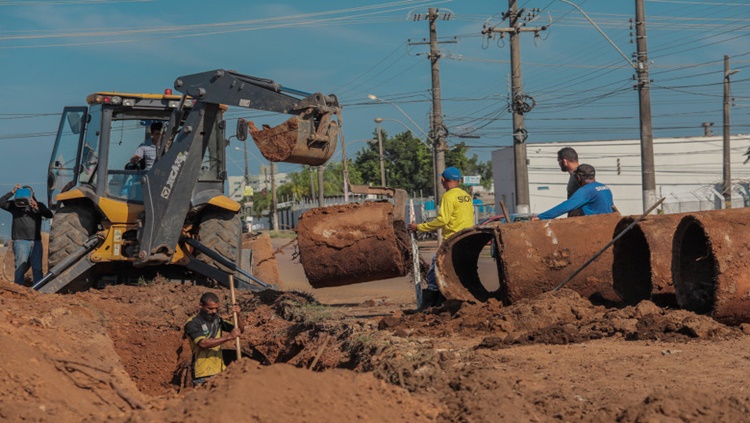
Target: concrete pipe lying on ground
(532,258)
(642,268)
(352,243)
(711,264)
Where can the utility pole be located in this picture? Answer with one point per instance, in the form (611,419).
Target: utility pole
(321,191)
(519,103)
(312,183)
(727,188)
(648,176)
(274,208)
(437,133)
(436,129)
(380,152)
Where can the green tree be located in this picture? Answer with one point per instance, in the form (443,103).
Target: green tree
(456,156)
(407,162)
(298,183)
(261,202)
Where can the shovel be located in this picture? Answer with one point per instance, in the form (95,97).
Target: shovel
(235,318)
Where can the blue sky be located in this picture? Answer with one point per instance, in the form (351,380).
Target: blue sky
(55,52)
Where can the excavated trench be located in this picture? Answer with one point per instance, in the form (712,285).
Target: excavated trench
(531,258)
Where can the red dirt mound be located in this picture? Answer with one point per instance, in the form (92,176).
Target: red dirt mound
(283,393)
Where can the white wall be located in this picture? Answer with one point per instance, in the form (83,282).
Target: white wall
(682,165)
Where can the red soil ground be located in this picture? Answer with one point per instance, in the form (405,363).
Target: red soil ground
(357,354)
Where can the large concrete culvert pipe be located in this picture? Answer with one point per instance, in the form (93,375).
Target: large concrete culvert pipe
(711,264)
(532,258)
(352,243)
(642,267)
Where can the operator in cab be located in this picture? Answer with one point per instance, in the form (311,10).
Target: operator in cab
(456,213)
(145,154)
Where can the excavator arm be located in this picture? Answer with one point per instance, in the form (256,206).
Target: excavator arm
(309,137)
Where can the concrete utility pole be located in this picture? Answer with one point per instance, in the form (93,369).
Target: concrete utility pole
(648,176)
(519,103)
(437,133)
(312,183)
(436,129)
(380,152)
(727,187)
(274,208)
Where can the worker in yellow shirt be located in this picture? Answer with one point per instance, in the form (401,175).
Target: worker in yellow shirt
(456,213)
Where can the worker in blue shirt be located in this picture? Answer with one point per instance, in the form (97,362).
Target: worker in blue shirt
(592,198)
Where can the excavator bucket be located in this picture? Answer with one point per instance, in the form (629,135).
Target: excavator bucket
(301,141)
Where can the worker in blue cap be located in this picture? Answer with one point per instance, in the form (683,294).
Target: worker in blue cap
(455,214)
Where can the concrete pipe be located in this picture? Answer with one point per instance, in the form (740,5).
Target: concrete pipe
(532,258)
(642,267)
(711,266)
(352,243)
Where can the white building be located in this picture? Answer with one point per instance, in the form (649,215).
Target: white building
(236,188)
(688,172)
(263,179)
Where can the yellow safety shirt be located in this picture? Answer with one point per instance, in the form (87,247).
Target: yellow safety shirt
(456,213)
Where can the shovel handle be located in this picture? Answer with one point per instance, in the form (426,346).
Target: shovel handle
(235,318)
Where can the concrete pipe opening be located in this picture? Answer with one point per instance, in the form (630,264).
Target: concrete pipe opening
(694,267)
(458,266)
(631,269)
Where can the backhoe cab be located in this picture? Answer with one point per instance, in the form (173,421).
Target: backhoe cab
(116,223)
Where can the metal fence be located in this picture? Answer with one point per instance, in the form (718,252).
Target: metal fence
(424,210)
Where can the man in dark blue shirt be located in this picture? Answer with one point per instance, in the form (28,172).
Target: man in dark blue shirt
(26,233)
(592,198)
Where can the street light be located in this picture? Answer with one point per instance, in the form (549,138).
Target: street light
(346,167)
(375,98)
(435,170)
(408,129)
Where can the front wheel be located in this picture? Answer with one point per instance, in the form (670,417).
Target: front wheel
(71,227)
(221,231)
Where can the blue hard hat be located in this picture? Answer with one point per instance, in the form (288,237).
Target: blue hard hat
(452,174)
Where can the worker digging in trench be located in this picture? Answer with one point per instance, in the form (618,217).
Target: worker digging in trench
(207,332)
(455,214)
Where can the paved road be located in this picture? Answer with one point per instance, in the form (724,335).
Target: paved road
(396,290)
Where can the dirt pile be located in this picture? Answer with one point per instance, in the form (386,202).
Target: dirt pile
(561,317)
(59,363)
(264,264)
(119,354)
(282,393)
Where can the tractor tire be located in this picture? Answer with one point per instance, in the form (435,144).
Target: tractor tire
(71,227)
(221,231)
